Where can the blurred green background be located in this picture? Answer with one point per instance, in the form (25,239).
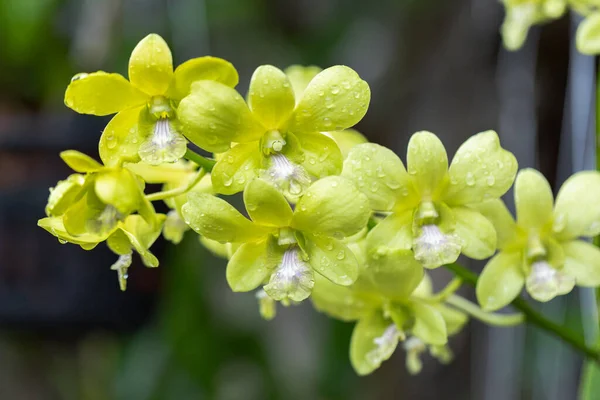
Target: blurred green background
(66,332)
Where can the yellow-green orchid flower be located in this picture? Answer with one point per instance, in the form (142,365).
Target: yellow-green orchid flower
(146,125)
(276,135)
(588,32)
(300,76)
(183,177)
(386,314)
(428,203)
(523,14)
(541,250)
(280,246)
(98,206)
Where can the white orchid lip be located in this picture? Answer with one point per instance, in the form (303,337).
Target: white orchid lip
(164,145)
(385,345)
(292,280)
(121,266)
(105,221)
(434,248)
(545,282)
(288,176)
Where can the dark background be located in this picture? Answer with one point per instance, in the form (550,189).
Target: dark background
(67,332)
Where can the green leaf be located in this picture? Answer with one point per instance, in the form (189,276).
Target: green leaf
(322,156)
(501,281)
(101,93)
(80,162)
(213,115)
(236,167)
(533,199)
(429,324)
(199,69)
(270,96)
(332,206)
(480,170)
(589,387)
(250,266)
(582,262)
(266,205)
(588,35)
(151,65)
(476,232)
(381,176)
(369,345)
(577,209)
(427,163)
(332,259)
(335,99)
(218,220)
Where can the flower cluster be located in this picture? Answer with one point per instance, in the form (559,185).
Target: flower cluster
(521,15)
(327,215)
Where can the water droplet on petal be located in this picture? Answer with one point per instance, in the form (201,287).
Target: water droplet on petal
(470,179)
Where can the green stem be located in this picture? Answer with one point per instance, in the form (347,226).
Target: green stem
(167,194)
(534,317)
(449,290)
(489,318)
(206,163)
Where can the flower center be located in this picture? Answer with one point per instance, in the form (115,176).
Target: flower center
(545,282)
(434,248)
(105,221)
(290,178)
(164,145)
(293,279)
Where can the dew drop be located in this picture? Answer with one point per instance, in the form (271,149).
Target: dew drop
(470,179)
(335,89)
(490,180)
(340,255)
(79,76)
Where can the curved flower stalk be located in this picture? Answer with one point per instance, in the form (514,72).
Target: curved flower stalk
(275,135)
(146,126)
(541,250)
(386,314)
(281,248)
(178,180)
(99,206)
(523,14)
(428,204)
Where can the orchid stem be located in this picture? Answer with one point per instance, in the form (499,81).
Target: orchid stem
(489,318)
(205,163)
(167,194)
(534,317)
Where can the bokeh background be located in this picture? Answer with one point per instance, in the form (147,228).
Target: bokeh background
(67,332)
